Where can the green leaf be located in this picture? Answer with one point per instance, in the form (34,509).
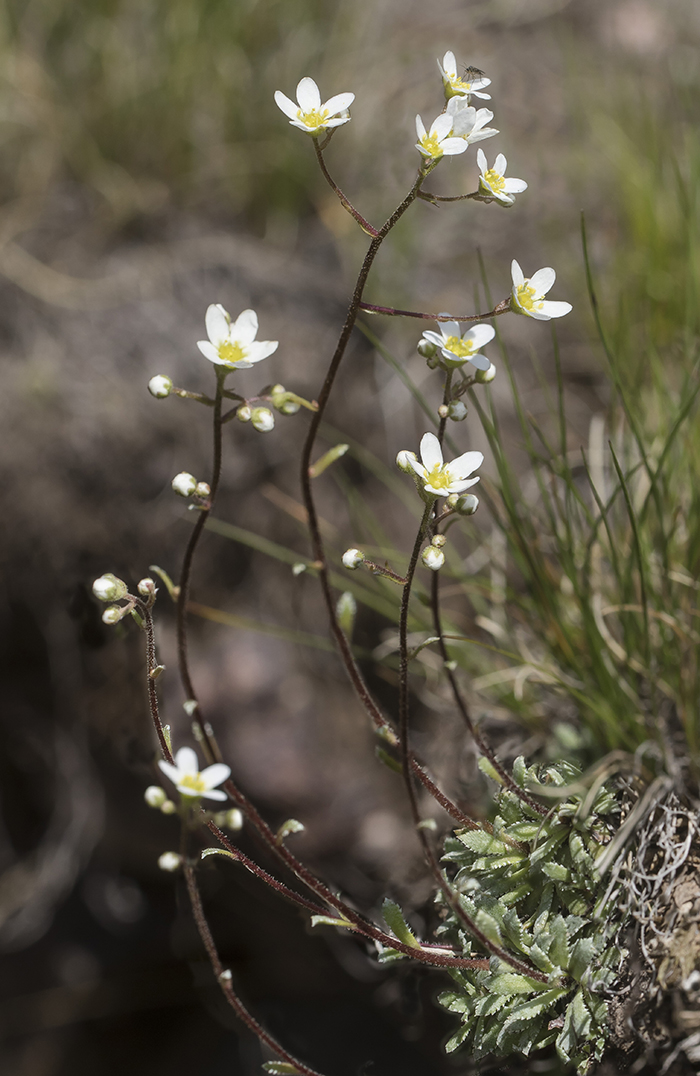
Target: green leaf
(559,949)
(489,927)
(556,871)
(290,826)
(488,768)
(329,921)
(509,983)
(581,956)
(386,758)
(478,840)
(393,917)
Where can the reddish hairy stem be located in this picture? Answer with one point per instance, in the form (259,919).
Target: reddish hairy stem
(369,308)
(345,202)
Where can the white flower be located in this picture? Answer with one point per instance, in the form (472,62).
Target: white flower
(189,781)
(457,349)
(493,182)
(440,478)
(169,861)
(437,141)
(233,343)
(467,122)
(527,296)
(184,484)
(160,386)
(433,558)
(309,114)
(455,85)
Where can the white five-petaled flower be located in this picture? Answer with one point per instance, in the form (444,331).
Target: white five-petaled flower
(309,114)
(528,294)
(456,349)
(493,182)
(440,478)
(233,343)
(468,122)
(462,86)
(437,142)
(189,781)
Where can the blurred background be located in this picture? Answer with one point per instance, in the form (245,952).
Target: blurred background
(146,173)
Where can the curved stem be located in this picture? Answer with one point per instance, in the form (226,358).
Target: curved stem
(501,308)
(345,202)
(223,977)
(428,196)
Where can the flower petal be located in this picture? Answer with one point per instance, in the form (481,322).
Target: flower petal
(433,337)
(418,467)
(339,103)
(186,761)
(451,146)
(308,95)
(516,274)
(462,484)
(244,329)
(213,794)
(217,324)
(215,775)
(449,64)
(543,280)
(480,361)
(500,165)
(209,351)
(476,93)
(481,161)
(442,126)
(260,349)
(169,770)
(430,451)
(515,186)
(465,464)
(480,135)
(480,334)
(555,310)
(450,328)
(420,128)
(287,106)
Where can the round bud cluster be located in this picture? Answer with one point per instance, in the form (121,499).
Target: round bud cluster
(262,418)
(184,484)
(160,386)
(353,558)
(465,504)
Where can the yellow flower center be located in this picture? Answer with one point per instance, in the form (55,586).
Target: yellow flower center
(494,180)
(526,297)
(230,352)
(431,145)
(462,348)
(439,477)
(193,781)
(314,118)
(460,84)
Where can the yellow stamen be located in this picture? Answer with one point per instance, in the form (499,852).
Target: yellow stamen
(431,145)
(495,181)
(462,348)
(526,297)
(193,781)
(314,118)
(230,352)
(439,477)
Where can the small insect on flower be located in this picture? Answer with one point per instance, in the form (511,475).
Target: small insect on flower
(309,115)
(233,343)
(471,81)
(440,478)
(187,779)
(528,294)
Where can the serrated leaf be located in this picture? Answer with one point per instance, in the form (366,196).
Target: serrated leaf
(478,840)
(488,768)
(393,917)
(581,956)
(454,1002)
(545,849)
(556,871)
(524,831)
(509,983)
(540,958)
(488,926)
(528,1010)
(520,771)
(457,1039)
(559,950)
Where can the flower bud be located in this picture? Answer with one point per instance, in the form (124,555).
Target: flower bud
(155,796)
(346,610)
(168,807)
(438,540)
(160,386)
(281,401)
(233,819)
(288,407)
(403,461)
(113,614)
(169,861)
(147,587)
(457,410)
(433,558)
(484,376)
(109,588)
(244,413)
(262,419)
(466,504)
(427,349)
(203,489)
(353,558)
(443,410)
(184,484)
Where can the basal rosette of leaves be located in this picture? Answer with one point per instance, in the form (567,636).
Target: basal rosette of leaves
(532,887)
